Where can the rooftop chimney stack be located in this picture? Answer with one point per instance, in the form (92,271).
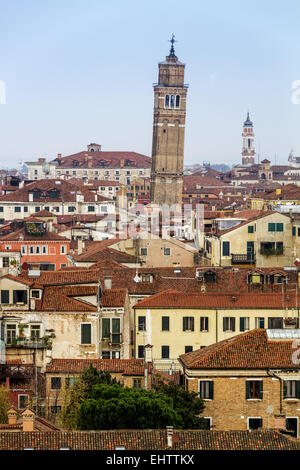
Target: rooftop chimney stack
(12,416)
(170,436)
(27,420)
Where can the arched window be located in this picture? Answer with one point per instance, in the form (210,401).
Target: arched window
(249,143)
(167,101)
(177,101)
(172,101)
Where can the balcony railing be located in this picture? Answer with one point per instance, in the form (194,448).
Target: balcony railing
(114,338)
(248,258)
(28,343)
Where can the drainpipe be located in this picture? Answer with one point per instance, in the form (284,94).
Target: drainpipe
(280,384)
(216,325)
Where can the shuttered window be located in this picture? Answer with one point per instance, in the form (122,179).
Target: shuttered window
(206,389)
(254,389)
(5,296)
(86,333)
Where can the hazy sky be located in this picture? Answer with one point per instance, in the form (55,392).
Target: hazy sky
(81,71)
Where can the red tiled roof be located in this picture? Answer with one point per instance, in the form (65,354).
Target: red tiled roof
(131,439)
(66,192)
(175,299)
(111,159)
(25,236)
(250,350)
(124,366)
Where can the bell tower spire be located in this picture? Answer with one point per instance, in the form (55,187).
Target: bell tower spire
(168,131)
(248,152)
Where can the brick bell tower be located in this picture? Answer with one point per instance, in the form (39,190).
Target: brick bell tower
(168,131)
(248,152)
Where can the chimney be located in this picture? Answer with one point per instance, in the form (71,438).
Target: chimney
(148,353)
(59,156)
(79,246)
(121,163)
(27,420)
(12,415)
(170,436)
(107,283)
(41,160)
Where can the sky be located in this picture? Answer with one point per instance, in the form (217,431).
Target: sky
(81,71)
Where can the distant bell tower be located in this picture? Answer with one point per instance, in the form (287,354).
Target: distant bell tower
(248,152)
(168,131)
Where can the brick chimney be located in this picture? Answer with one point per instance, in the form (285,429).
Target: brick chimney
(12,415)
(170,430)
(27,420)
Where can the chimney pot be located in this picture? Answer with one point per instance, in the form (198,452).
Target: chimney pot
(27,420)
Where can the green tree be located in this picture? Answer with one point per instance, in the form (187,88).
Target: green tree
(4,404)
(115,407)
(80,391)
(187,404)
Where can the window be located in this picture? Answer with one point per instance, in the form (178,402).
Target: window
(167,251)
(291,389)
(71,209)
(1,208)
(254,389)
(275,323)
(207,423)
(22,401)
(228,324)
(165,352)
(144,251)
(5,262)
(35,294)
(172,104)
(142,323)
(25,209)
(24,249)
(37,209)
(244,324)
(11,333)
(63,249)
(141,350)
(55,409)
(165,323)
(70,381)
(5,296)
(37,250)
(91,208)
(294,231)
(167,101)
(45,250)
(31,250)
(255,423)
(111,329)
(188,349)
(103,208)
(86,333)
(35,332)
(259,322)
(17,209)
(188,323)
(137,383)
(206,389)
(55,383)
(250,229)
(177,101)
(272,227)
(203,323)
(19,296)
(226,248)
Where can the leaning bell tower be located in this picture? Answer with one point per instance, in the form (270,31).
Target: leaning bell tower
(168,131)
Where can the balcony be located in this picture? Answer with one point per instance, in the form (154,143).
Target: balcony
(114,339)
(248,258)
(27,343)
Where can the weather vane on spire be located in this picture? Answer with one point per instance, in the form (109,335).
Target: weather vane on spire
(172,50)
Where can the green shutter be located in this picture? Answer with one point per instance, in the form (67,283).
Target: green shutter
(297,388)
(211,390)
(247,389)
(279,227)
(105,327)
(116,325)
(86,334)
(242,324)
(271,227)
(294,231)
(226,248)
(250,229)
